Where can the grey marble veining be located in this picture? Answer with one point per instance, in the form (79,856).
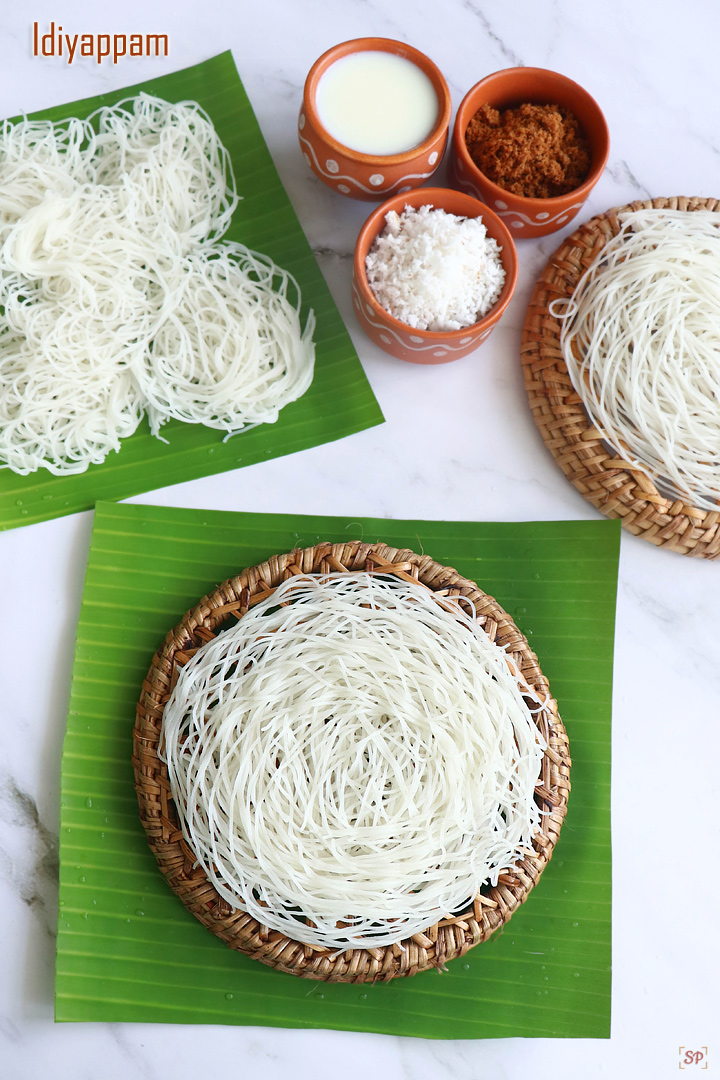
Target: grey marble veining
(31,870)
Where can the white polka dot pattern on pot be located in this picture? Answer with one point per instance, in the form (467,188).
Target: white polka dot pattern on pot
(352,184)
(412,343)
(524,223)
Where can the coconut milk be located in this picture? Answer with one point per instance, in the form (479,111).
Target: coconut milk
(376,103)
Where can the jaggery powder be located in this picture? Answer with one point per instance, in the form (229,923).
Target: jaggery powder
(538,151)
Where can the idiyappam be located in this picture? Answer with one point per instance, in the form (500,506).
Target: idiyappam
(641,340)
(352,760)
(111,257)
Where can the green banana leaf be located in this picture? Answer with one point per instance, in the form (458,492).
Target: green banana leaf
(339,402)
(128,950)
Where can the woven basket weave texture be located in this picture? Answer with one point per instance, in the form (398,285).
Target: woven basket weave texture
(613,486)
(448,938)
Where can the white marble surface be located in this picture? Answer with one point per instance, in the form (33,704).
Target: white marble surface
(653,67)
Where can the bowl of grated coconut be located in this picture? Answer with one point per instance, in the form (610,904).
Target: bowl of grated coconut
(434,270)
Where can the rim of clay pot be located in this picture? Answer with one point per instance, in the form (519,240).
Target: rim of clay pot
(438,197)
(397,48)
(549,78)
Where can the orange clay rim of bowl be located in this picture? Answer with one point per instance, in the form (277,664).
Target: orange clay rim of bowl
(509,92)
(398,48)
(453,202)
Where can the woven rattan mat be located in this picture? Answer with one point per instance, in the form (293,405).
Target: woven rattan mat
(605,480)
(447,939)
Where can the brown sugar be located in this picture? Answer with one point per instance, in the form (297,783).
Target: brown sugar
(538,151)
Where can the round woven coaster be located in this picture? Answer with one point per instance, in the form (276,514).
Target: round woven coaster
(607,481)
(437,944)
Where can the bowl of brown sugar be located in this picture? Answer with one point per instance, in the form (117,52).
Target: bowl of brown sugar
(531,144)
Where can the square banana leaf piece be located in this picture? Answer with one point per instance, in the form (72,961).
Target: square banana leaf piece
(128,950)
(340,400)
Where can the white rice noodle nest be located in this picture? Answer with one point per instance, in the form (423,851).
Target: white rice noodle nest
(354,753)
(171,168)
(111,267)
(37,157)
(232,351)
(641,340)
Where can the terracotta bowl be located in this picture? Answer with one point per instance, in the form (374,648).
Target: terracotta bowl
(516,86)
(364,176)
(428,346)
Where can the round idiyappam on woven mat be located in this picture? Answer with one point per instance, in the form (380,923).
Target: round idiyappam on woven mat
(609,482)
(221,611)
